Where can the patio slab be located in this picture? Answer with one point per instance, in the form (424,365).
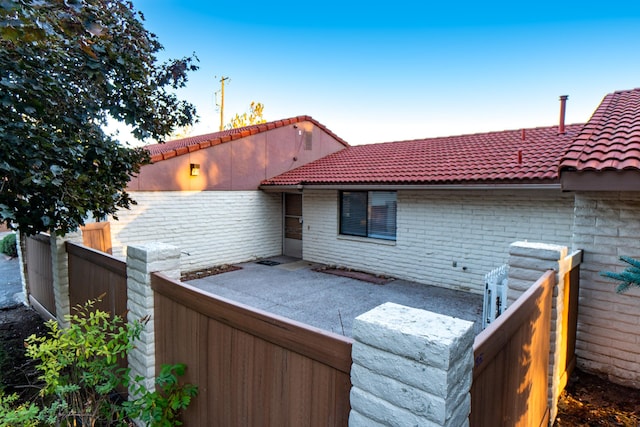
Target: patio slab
(294,290)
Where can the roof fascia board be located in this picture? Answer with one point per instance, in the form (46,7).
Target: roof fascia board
(300,187)
(627,180)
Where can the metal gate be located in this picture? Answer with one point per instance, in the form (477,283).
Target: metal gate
(495,294)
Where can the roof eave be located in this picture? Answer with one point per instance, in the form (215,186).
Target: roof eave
(395,186)
(605,180)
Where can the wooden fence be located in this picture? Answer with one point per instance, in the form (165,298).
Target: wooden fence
(510,377)
(93,273)
(252,367)
(40,274)
(97,235)
(567,347)
(256,368)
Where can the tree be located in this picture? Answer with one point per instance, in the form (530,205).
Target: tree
(254,117)
(66,66)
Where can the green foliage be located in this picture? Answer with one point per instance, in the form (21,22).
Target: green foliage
(81,372)
(66,68)
(159,408)
(79,364)
(8,245)
(629,277)
(25,415)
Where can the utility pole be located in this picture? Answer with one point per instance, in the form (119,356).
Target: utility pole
(222,80)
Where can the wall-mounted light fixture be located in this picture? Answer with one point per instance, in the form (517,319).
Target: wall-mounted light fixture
(194,169)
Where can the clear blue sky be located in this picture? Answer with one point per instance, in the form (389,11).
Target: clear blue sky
(402,70)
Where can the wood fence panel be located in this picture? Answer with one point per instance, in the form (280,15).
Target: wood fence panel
(252,368)
(97,235)
(569,325)
(40,274)
(93,273)
(510,376)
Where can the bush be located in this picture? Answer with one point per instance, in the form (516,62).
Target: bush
(82,374)
(8,245)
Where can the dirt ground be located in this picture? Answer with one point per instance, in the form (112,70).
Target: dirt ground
(18,374)
(588,400)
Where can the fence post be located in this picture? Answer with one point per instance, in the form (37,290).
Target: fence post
(142,260)
(527,261)
(410,367)
(60,273)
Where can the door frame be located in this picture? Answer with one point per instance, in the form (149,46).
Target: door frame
(292,246)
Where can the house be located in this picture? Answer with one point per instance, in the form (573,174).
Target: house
(443,211)
(440,211)
(201,193)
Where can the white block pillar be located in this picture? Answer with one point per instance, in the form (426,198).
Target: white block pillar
(410,367)
(142,260)
(60,273)
(22,252)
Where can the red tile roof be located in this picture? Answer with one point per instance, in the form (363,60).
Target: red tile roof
(178,147)
(513,156)
(611,138)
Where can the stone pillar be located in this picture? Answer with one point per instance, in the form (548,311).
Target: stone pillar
(60,273)
(22,252)
(410,367)
(527,262)
(142,260)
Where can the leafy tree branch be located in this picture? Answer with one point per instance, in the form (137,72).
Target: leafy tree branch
(66,66)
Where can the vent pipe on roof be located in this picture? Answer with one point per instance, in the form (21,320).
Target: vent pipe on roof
(563,107)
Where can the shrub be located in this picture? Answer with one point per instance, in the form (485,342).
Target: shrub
(81,372)
(8,245)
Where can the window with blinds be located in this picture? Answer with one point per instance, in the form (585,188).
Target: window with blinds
(368,214)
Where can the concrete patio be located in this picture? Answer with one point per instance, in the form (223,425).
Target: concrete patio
(294,290)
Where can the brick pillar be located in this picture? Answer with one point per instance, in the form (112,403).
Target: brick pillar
(527,262)
(142,260)
(410,367)
(60,273)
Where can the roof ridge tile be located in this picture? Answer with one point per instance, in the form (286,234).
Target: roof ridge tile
(611,136)
(177,147)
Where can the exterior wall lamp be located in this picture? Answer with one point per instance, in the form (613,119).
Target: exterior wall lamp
(194,169)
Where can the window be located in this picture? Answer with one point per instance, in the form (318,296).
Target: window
(368,214)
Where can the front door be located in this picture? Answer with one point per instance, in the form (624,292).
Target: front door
(293,225)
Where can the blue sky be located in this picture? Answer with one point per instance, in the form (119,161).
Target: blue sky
(402,70)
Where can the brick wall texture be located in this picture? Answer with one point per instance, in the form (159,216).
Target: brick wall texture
(210,227)
(606,226)
(437,229)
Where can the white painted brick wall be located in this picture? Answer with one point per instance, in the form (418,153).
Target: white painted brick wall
(436,229)
(210,227)
(606,226)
